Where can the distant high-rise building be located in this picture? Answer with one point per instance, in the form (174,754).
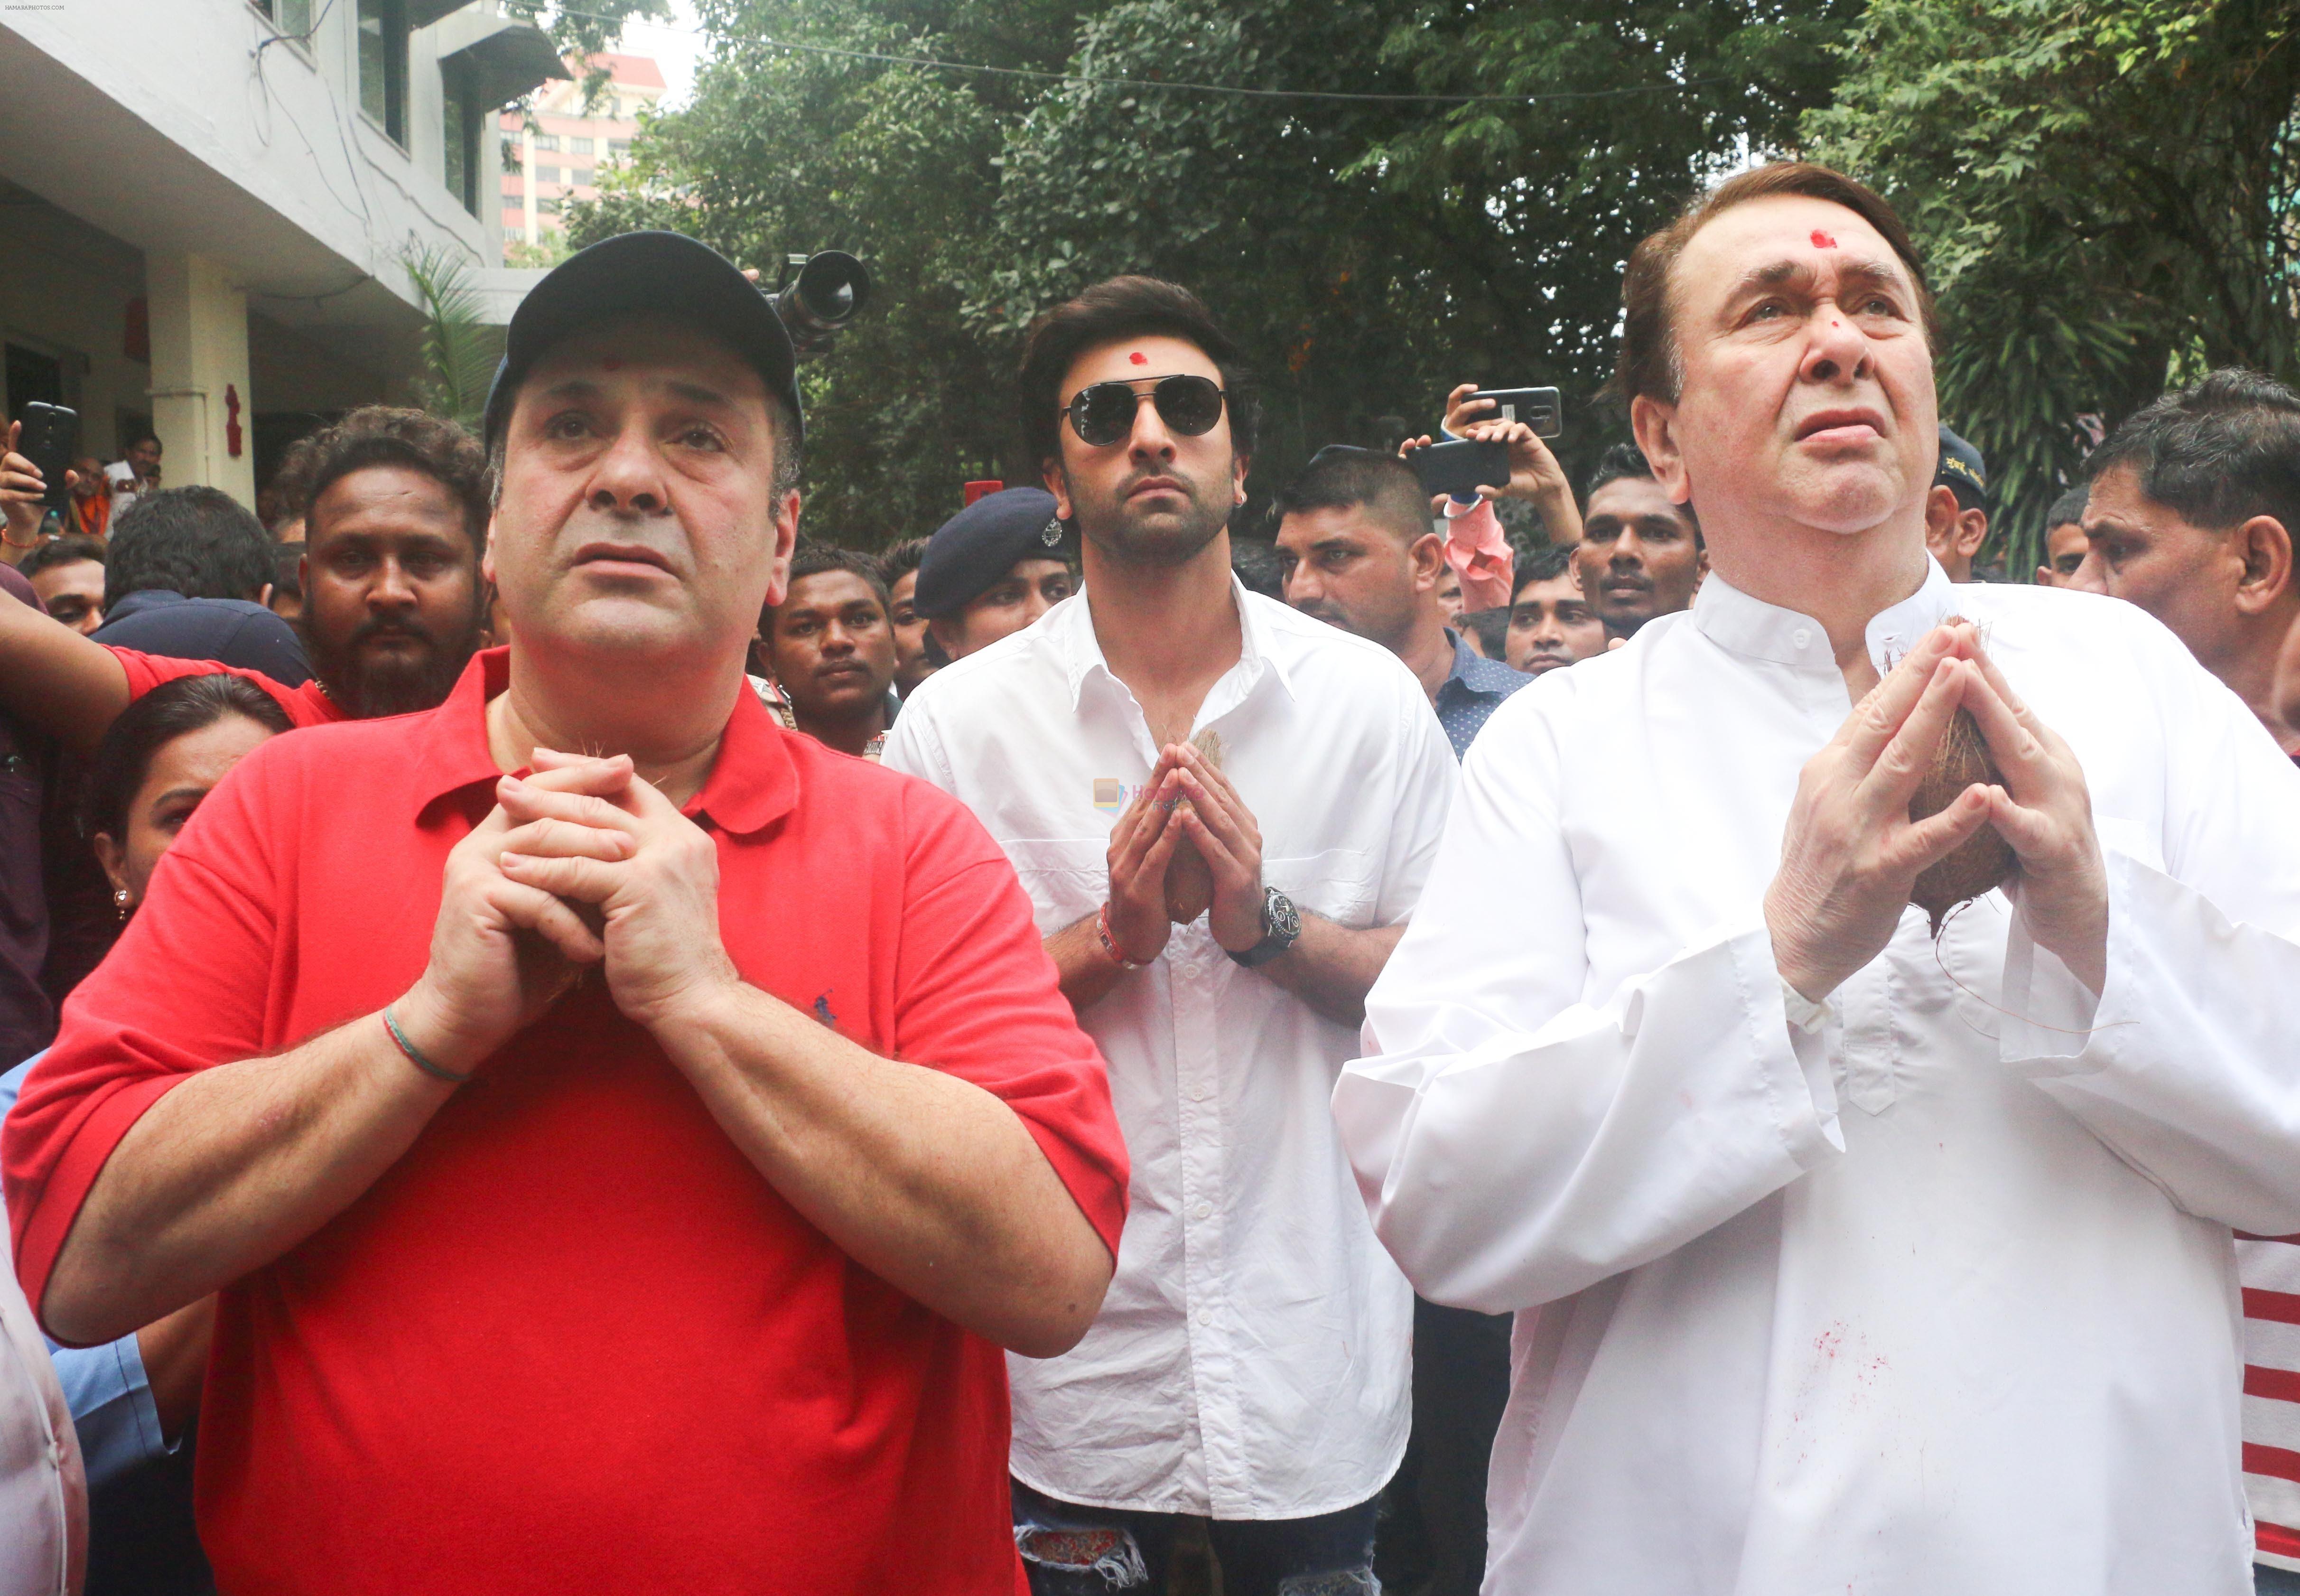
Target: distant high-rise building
(560,152)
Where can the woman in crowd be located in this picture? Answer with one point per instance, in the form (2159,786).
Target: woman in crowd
(132,1399)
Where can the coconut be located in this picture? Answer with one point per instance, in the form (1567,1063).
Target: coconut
(1984,861)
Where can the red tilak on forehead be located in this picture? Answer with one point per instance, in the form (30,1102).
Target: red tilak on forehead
(1822,240)
(1139,358)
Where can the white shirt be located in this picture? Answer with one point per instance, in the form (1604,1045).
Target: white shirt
(43,1490)
(1251,1359)
(1939,1299)
(124,484)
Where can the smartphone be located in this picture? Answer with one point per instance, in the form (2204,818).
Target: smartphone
(1462,466)
(50,437)
(1539,408)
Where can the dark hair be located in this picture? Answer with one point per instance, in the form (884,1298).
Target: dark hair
(385,435)
(289,492)
(139,439)
(2220,453)
(2068,510)
(1543,564)
(1651,363)
(198,541)
(173,709)
(1492,627)
(1625,462)
(1622,460)
(1343,478)
(68,550)
(288,569)
(901,560)
(1123,308)
(1258,568)
(816,559)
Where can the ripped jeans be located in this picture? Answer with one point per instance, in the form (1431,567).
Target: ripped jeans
(1072,1551)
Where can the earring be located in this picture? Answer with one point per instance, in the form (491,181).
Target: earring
(120,901)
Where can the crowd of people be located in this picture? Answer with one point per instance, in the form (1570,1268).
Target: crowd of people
(569,1036)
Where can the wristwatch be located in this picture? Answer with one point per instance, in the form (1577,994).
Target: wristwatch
(1281,926)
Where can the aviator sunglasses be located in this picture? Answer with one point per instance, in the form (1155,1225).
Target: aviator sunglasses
(1103,414)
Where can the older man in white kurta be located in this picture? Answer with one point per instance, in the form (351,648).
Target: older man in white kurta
(1855,1261)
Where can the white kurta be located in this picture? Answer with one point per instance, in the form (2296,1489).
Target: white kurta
(1251,1360)
(1936,1300)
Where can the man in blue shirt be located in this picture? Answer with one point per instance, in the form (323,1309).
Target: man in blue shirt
(1355,540)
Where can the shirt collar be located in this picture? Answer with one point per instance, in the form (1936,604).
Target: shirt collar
(1469,666)
(1735,621)
(1069,632)
(753,782)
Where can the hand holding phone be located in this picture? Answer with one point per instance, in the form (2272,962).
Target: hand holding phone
(46,436)
(1459,467)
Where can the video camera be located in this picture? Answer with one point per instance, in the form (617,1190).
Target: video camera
(818,296)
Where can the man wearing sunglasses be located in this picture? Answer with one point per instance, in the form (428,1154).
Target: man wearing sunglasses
(1223,811)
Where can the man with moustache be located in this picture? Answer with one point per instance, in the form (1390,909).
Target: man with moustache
(392,607)
(1221,810)
(510,1260)
(1640,553)
(830,651)
(1355,541)
(1551,622)
(1854,1245)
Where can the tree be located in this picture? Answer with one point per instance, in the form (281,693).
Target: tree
(2104,195)
(1368,252)
(460,351)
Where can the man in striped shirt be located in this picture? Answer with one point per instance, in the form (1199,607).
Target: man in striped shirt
(2189,515)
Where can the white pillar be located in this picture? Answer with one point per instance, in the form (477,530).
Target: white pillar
(199,373)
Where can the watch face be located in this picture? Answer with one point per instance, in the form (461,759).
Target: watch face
(1284,919)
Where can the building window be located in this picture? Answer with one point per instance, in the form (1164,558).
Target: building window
(547,207)
(578,147)
(514,235)
(547,174)
(547,141)
(619,146)
(293,17)
(383,64)
(460,123)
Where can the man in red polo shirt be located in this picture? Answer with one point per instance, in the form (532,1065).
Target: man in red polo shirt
(620,1171)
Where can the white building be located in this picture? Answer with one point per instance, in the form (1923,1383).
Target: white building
(206,206)
(565,139)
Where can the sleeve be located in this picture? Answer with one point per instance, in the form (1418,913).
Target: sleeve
(1480,555)
(976,997)
(912,747)
(1428,776)
(2187,1065)
(148,671)
(186,987)
(1515,1141)
(104,1387)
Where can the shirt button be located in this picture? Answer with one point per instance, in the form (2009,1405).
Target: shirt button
(1206,1315)
(1802,637)
(1201,1209)
(1200,1091)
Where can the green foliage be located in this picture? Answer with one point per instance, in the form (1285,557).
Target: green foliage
(1368,254)
(2100,188)
(588,29)
(460,351)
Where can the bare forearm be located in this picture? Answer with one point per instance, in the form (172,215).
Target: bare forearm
(55,679)
(174,1352)
(230,1170)
(1088,973)
(927,1181)
(1331,967)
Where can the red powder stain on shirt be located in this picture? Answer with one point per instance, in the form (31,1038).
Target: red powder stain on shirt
(1139,358)
(1822,240)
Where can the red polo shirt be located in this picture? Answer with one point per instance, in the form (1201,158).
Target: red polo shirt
(306,706)
(573,1340)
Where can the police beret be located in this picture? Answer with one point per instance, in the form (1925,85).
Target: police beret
(974,549)
(1962,468)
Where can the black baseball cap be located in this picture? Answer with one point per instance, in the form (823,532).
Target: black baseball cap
(659,273)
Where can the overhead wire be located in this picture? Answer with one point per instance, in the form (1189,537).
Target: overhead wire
(1530,97)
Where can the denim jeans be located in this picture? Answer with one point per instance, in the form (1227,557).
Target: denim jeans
(2274,1582)
(1073,1551)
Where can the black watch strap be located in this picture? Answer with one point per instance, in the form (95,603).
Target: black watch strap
(1281,928)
